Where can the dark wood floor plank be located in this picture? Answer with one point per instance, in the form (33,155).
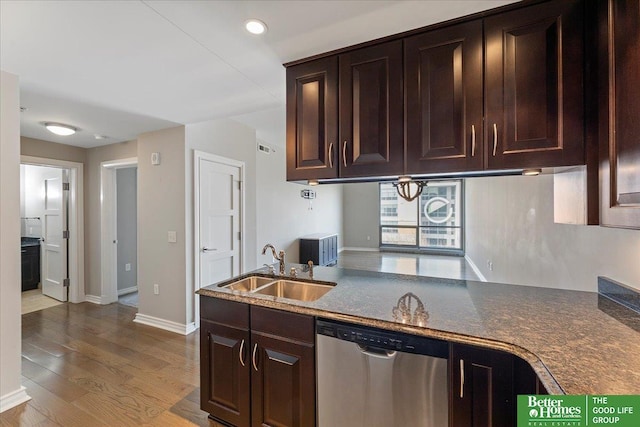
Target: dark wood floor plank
(90,365)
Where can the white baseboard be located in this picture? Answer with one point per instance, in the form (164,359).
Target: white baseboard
(348,248)
(93,299)
(14,398)
(475,268)
(167,325)
(125,291)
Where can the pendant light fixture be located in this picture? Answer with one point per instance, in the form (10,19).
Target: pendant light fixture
(403,187)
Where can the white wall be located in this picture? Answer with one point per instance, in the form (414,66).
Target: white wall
(362,215)
(283,216)
(509,222)
(127,219)
(11,391)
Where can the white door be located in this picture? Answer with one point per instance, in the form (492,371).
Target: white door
(54,246)
(219,221)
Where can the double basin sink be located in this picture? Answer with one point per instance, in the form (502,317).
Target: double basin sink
(282,288)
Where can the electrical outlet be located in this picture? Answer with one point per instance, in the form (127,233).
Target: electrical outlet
(368,237)
(127,267)
(156,289)
(490,265)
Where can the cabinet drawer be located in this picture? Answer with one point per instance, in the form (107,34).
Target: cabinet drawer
(229,313)
(297,327)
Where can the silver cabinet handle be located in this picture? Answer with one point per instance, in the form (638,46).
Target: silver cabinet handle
(206,249)
(241,353)
(461,378)
(344,154)
(473,141)
(331,156)
(253,357)
(495,139)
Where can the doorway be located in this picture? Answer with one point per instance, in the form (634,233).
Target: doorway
(219,219)
(127,235)
(51,225)
(119,232)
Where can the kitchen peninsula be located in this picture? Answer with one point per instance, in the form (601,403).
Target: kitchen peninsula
(570,339)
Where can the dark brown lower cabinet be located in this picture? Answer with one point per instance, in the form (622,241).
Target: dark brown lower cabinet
(484,385)
(257,365)
(481,387)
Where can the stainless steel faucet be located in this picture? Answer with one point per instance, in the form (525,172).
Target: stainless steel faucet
(279,256)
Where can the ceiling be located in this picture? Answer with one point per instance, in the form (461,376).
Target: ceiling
(121,68)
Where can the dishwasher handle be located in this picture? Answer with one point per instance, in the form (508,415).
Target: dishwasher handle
(378,352)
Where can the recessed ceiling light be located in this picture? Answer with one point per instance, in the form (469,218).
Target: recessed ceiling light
(255,26)
(60,129)
(96,136)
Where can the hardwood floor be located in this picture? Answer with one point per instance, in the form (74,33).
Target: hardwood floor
(90,365)
(449,267)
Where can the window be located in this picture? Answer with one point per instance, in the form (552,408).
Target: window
(432,222)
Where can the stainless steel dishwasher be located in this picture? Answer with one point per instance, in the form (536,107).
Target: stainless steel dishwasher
(370,377)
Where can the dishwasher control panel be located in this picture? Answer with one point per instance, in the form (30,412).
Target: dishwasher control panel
(382,339)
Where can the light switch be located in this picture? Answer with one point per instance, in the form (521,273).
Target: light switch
(127,267)
(171,237)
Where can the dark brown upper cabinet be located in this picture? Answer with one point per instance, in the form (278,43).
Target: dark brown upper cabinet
(312,120)
(619,112)
(371,125)
(443,105)
(534,86)
(498,90)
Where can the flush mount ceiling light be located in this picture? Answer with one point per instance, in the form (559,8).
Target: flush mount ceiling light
(60,129)
(255,26)
(96,136)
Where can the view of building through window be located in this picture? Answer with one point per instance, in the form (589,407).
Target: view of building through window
(433,221)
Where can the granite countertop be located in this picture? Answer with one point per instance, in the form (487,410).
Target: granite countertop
(572,339)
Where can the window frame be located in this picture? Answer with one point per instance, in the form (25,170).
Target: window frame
(424,249)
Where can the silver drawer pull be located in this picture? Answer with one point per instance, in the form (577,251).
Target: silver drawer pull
(495,138)
(473,141)
(241,353)
(206,249)
(461,378)
(344,154)
(253,357)
(331,156)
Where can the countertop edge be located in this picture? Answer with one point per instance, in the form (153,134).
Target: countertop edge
(545,376)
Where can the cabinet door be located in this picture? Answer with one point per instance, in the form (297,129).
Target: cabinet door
(371,124)
(322,249)
(481,387)
(224,380)
(312,120)
(619,109)
(533,87)
(443,98)
(283,368)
